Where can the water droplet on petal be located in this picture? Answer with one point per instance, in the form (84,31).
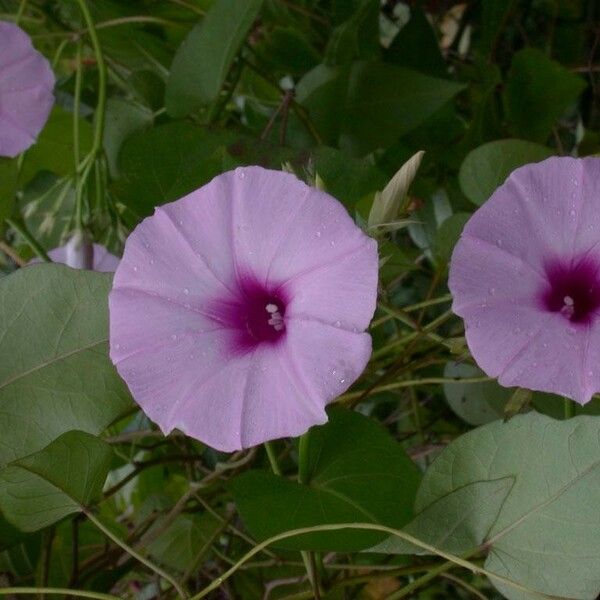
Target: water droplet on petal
(338,323)
(186,291)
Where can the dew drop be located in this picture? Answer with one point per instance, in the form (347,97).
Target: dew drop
(573,212)
(318,234)
(492,291)
(332,243)
(342,381)
(517,330)
(338,323)
(499,243)
(135,269)
(174,336)
(186,291)
(117,346)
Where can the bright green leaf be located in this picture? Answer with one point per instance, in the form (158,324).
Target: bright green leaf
(486,167)
(349,458)
(55,373)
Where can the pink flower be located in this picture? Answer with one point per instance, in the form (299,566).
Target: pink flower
(26,86)
(238,312)
(99,259)
(525,277)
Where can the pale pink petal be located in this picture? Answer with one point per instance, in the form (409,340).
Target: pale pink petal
(26,90)
(226,326)
(104,261)
(525,276)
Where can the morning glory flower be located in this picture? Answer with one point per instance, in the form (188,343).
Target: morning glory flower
(26,90)
(94,257)
(239,311)
(525,277)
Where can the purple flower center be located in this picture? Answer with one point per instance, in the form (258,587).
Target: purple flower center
(573,290)
(257,315)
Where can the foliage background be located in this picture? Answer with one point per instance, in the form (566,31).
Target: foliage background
(168,94)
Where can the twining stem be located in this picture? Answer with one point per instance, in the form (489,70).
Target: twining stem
(155,568)
(308,558)
(569,407)
(101,66)
(20,12)
(272,456)
(76,146)
(34,591)
(26,235)
(412,382)
(421,581)
(456,560)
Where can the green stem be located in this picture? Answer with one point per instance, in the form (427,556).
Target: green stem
(24,233)
(421,581)
(20,12)
(31,591)
(272,456)
(457,560)
(569,407)
(76,147)
(155,568)
(101,106)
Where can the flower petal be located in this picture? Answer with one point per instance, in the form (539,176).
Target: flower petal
(327,359)
(342,293)
(26,90)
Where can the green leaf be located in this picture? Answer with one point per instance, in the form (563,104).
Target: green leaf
(448,235)
(475,403)
(55,374)
(203,60)
(346,178)
(185,542)
(457,522)
(348,458)
(123,118)
(532,109)
(53,150)
(369,105)
(486,167)
(416,46)
(546,534)
(61,479)
(165,163)
(8,186)
(356,38)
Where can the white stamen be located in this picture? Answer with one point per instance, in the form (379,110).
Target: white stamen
(568,306)
(276,320)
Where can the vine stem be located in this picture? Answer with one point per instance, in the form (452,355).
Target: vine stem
(101,106)
(455,560)
(31,591)
(26,235)
(155,568)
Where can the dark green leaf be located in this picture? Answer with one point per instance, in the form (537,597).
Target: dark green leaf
(370,105)
(203,60)
(486,167)
(167,162)
(538,92)
(8,186)
(53,150)
(349,458)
